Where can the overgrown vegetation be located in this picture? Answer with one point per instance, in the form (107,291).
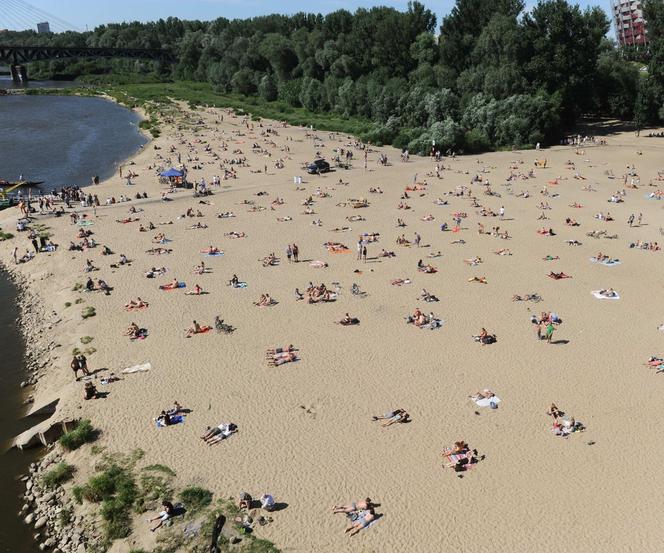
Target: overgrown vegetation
(86,339)
(88,312)
(121,489)
(5,236)
(58,475)
(82,434)
(493,75)
(195,498)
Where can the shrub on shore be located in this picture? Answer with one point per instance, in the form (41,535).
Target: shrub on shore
(83,433)
(88,312)
(195,498)
(59,474)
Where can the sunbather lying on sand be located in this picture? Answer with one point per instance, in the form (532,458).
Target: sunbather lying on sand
(349,321)
(211,250)
(219,433)
(430,269)
(195,328)
(276,359)
(196,291)
(220,326)
(460,457)
(174,284)
(610,293)
(473,261)
(428,297)
(558,276)
(360,521)
(138,304)
(158,251)
(481,280)
(265,301)
(353,507)
(485,338)
(135,332)
(391,417)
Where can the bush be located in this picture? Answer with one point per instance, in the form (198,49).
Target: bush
(83,433)
(195,498)
(5,236)
(59,474)
(88,312)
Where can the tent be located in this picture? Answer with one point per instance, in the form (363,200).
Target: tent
(172,173)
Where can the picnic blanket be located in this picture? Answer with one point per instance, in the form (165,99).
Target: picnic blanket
(487,401)
(144,367)
(601,297)
(606,262)
(175,419)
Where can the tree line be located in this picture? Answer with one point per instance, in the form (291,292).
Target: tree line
(492,75)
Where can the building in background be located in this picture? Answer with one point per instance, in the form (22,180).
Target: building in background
(43,27)
(631,29)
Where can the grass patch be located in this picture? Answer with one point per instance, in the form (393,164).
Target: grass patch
(79,300)
(78,286)
(88,312)
(58,475)
(86,339)
(195,498)
(67,304)
(83,433)
(156,483)
(76,352)
(5,236)
(89,351)
(65,516)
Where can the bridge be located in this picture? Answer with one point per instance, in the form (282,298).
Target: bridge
(18,56)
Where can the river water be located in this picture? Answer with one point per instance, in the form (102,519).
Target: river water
(60,140)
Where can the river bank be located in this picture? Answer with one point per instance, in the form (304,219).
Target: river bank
(306,433)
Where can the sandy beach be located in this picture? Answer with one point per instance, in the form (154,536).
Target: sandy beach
(305,429)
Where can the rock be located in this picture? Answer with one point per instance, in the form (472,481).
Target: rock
(50,542)
(28,485)
(29,518)
(23,384)
(41,522)
(81,549)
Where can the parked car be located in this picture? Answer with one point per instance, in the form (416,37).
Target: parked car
(318,166)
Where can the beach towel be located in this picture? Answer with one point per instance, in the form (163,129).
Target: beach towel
(215,254)
(606,262)
(487,401)
(240,285)
(137,368)
(180,285)
(85,223)
(601,297)
(175,419)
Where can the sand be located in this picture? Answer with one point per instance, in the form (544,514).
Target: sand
(305,430)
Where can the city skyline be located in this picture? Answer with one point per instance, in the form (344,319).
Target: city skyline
(82,13)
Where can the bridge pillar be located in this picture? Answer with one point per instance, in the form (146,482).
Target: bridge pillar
(19,73)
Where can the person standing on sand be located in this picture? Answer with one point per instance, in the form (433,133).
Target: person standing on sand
(76,366)
(15,255)
(359,249)
(296,253)
(630,221)
(501,212)
(289,253)
(364,253)
(417,240)
(639,219)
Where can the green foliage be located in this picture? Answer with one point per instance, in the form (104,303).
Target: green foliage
(83,433)
(67,304)
(65,516)
(5,236)
(383,74)
(195,498)
(59,474)
(155,484)
(88,312)
(86,339)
